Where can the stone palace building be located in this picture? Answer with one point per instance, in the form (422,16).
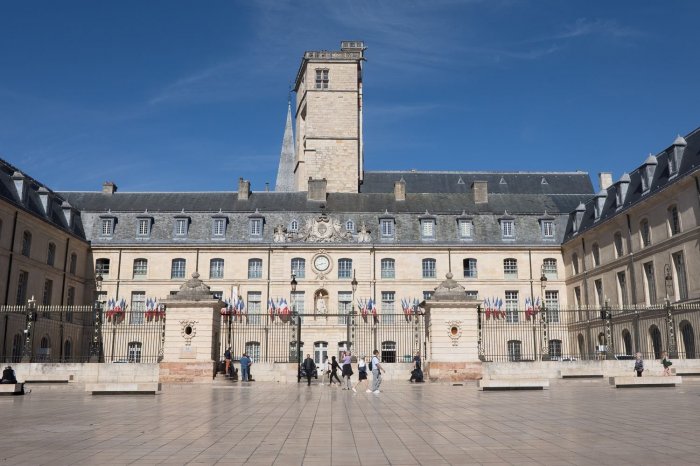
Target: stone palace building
(329,220)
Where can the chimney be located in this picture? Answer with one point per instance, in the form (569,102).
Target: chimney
(622,186)
(400,190)
(480,191)
(18,179)
(605,180)
(44,198)
(317,190)
(578,216)
(677,154)
(243,189)
(67,213)
(109,188)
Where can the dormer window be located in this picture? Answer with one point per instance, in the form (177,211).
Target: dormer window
(547,229)
(507,227)
(181,226)
(465,227)
(350,226)
(386,226)
(672,168)
(294,226)
(427,228)
(143,227)
(256,228)
(107,226)
(218,227)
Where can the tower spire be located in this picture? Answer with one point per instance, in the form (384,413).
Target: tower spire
(285,171)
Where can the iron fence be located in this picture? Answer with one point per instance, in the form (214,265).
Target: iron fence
(79,334)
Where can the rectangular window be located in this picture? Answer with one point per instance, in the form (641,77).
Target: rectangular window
(428,229)
(674,220)
(107,227)
(514,350)
(102,267)
(299,267)
(472,294)
(180,227)
(388,307)
(645,233)
(547,228)
(22,282)
(134,352)
(255,268)
(599,297)
(254,305)
(219,227)
(298,303)
(622,288)
(216,268)
(256,227)
(681,277)
(549,267)
(344,268)
(388,268)
(507,229)
(70,296)
(429,268)
(465,229)
(138,307)
(469,268)
(551,305)
(651,282)
(577,297)
(48,291)
(387,227)
(511,306)
(510,268)
(177,269)
(344,306)
(144,227)
(140,268)
(322,79)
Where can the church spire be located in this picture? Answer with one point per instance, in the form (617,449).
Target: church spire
(285,172)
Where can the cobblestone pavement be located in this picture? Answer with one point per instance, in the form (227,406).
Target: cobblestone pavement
(575,422)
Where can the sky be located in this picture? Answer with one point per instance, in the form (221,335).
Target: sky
(189,96)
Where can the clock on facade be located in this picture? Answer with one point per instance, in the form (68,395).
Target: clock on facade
(321,263)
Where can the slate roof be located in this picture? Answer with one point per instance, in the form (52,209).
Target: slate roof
(662,179)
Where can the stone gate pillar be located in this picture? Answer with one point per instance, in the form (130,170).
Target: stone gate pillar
(452,334)
(192,334)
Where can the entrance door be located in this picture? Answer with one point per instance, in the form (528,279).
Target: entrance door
(320,351)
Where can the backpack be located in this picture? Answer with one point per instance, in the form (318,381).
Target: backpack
(370,364)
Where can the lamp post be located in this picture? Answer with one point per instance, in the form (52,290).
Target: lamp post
(28,333)
(296,318)
(350,319)
(97,321)
(672,347)
(543,318)
(609,343)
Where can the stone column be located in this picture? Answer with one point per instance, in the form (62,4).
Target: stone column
(452,332)
(192,334)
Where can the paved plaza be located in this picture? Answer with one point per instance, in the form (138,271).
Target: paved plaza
(575,422)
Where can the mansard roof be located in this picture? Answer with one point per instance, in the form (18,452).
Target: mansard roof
(662,179)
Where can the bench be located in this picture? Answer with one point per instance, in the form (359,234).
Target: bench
(113,388)
(512,384)
(11,389)
(628,381)
(688,373)
(49,378)
(580,373)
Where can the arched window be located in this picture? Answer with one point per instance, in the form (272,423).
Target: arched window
(510,268)
(26,243)
(595,251)
(619,249)
(549,267)
(555,350)
(344,268)
(687,339)
(350,226)
(299,267)
(388,267)
(429,268)
(51,254)
(140,268)
(67,350)
(627,341)
(469,266)
(574,263)
(514,347)
(134,354)
(645,233)
(216,268)
(254,268)
(388,351)
(674,221)
(44,352)
(177,268)
(294,226)
(656,341)
(252,349)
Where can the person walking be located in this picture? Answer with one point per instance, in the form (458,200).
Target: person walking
(323,368)
(377,370)
(227,358)
(245,367)
(361,373)
(334,371)
(417,372)
(666,363)
(309,368)
(347,370)
(639,365)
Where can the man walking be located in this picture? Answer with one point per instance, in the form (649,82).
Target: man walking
(377,370)
(309,368)
(245,367)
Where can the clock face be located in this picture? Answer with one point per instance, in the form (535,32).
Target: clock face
(322,263)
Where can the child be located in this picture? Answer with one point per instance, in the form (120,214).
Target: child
(666,363)
(362,371)
(639,364)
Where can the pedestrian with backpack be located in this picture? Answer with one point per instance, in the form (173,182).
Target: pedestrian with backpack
(377,369)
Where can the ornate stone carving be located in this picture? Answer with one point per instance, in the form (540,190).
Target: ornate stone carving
(454,331)
(280,234)
(363,235)
(189,330)
(193,289)
(322,229)
(449,290)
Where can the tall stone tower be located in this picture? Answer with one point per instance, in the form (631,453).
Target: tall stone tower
(328,115)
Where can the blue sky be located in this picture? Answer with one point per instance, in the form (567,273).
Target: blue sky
(180,95)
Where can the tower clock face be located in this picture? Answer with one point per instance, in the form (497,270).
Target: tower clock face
(322,263)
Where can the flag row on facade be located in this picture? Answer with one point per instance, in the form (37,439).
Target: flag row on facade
(234,306)
(279,308)
(493,307)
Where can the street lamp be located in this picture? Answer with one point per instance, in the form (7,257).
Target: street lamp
(296,317)
(350,318)
(545,337)
(97,318)
(670,325)
(668,279)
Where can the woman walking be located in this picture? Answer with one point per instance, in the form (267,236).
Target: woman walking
(334,371)
(362,374)
(347,370)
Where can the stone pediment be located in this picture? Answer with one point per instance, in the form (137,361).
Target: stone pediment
(321,229)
